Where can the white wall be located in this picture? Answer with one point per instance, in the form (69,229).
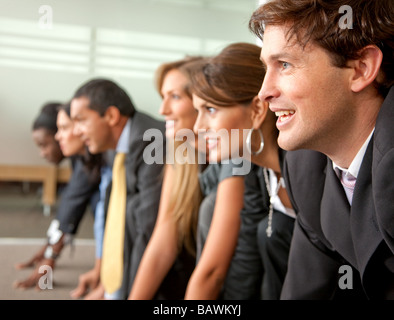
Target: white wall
(124,40)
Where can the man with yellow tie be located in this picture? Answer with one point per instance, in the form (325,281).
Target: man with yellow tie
(106,119)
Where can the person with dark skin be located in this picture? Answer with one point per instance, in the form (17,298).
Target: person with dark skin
(52,132)
(43,133)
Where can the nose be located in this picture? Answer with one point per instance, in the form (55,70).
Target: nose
(199,124)
(269,89)
(57,136)
(164,107)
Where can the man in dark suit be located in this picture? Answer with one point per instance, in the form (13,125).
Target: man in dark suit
(106,119)
(330,82)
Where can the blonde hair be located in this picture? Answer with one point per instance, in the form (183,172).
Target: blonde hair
(181,65)
(185,202)
(186,193)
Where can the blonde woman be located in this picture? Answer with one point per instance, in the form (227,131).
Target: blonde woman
(169,258)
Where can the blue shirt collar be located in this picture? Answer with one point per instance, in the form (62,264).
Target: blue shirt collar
(123,143)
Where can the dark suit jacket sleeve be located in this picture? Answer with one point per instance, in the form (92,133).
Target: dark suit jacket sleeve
(382,171)
(143,205)
(312,266)
(76,197)
(311,274)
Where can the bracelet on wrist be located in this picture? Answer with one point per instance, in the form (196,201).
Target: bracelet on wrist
(50,254)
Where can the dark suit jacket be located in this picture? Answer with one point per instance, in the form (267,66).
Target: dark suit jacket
(329,233)
(144,182)
(80,191)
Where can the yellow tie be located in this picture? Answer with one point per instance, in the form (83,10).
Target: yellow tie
(112,258)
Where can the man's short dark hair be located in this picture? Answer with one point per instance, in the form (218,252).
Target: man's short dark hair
(318,21)
(103,93)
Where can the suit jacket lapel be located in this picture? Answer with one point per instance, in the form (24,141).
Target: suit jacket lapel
(364,227)
(131,159)
(335,218)
(382,169)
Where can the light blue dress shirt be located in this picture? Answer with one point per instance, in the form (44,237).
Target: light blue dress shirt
(99,215)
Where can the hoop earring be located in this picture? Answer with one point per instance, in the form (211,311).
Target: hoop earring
(249,142)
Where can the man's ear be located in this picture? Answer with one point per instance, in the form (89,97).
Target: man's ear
(112,115)
(366,68)
(259,112)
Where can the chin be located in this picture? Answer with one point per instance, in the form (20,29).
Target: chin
(288,144)
(93,150)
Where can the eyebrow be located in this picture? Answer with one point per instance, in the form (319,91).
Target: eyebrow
(278,56)
(263,64)
(208,104)
(201,105)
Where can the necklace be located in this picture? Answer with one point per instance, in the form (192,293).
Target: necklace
(272,198)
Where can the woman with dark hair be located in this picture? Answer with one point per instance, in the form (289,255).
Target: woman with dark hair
(248,258)
(98,168)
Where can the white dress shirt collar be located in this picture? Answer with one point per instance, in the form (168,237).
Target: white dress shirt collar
(354,167)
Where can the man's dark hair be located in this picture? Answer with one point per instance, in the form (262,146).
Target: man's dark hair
(318,21)
(103,93)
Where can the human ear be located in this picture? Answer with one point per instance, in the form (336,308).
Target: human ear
(259,112)
(366,68)
(112,115)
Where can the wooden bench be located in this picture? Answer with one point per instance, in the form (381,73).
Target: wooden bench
(49,176)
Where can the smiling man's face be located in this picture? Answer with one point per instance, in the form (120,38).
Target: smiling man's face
(310,96)
(90,126)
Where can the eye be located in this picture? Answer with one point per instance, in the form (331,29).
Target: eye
(285,65)
(210,110)
(175,96)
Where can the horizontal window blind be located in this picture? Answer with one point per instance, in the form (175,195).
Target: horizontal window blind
(93,51)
